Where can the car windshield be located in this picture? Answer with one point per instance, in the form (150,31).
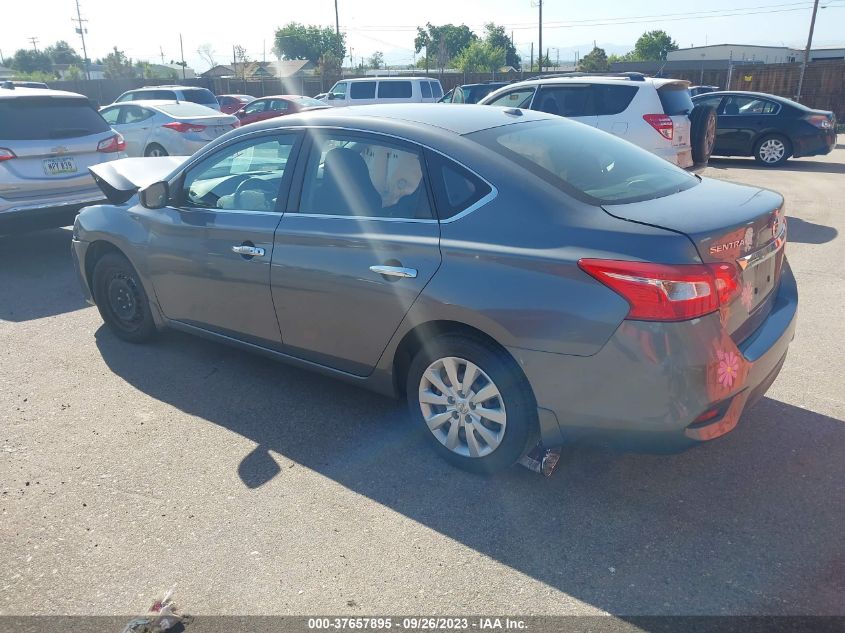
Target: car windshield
(43,118)
(307,102)
(587,163)
(187,109)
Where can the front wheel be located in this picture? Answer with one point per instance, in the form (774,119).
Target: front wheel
(472,402)
(121,299)
(772,150)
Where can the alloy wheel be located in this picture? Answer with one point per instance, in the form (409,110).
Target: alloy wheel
(771,150)
(462,407)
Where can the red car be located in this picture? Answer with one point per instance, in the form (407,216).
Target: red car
(279,105)
(230,104)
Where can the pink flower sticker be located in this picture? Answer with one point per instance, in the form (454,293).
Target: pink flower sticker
(747,296)
(728,368)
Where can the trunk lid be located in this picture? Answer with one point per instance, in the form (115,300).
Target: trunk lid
(727,223)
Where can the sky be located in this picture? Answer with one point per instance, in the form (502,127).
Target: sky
(148,29)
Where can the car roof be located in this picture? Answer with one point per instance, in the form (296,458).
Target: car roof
(6,93)
(169,87)
(454,118)
(284,97)
(485,83)
(657,82)
(357,79)
(146,102)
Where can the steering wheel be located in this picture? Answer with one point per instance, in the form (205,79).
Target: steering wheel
(262,185)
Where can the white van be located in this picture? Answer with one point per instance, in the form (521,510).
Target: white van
(367,90)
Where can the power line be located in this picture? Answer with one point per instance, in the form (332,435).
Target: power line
(34,41)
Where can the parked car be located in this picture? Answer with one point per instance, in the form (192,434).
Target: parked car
(471,93)
(364,91)
(193,94)
(699,90)
(655,114)
(229,104)
(769,128)
(48,140)
(278,105)
(513,275)
(322,96)
(167,128)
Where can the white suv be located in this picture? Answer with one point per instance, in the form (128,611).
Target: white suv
(655,114)
(365,91)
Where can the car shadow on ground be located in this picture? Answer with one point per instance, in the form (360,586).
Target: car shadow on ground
(809,232)
(795,164)
(36,276)
(750,523)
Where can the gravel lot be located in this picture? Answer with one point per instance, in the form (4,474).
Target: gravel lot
(261,489)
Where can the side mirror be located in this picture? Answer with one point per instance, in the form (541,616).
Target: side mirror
(155,196)
(330,96)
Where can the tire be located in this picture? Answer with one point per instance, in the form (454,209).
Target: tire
(772,150)
(121,299)
(154,149)
(703,124)
(497,441)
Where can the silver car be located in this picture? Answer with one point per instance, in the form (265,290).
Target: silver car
(48,140)
(167,128)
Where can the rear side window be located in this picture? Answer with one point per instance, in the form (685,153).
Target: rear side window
(515,98)
(675,100)
(394,90)
(455,188)
(613,99)
(566,100)
(43,118)
(436,90)
(425,89)
(159,95)
(203,96)
(362,90)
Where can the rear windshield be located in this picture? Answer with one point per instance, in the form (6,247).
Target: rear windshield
(43,118)
(151,95)
(200,95)
(307,102)
(675,100)
(586,163)
(186,109)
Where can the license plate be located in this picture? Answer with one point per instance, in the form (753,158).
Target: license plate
(59,166)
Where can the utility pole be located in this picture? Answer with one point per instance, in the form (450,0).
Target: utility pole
(807,51)
(34,41)
(540,48)
(531,64)
(337,31)
(80,28)
(161,51)
(182,52)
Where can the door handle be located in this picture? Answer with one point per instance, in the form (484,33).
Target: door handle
(395,271)
(248,251)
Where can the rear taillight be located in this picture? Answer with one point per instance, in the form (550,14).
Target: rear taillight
(667,292)
(6,154)
(819,120)
(112,144)
(184,127)
(662,123)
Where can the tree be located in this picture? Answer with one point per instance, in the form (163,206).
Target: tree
(62,53)
(297,41)
(118,66)
(481,56)
(496,37)
(27,61)
(74,73)
(376,60)
(206,53)
(595,61)
(241,58)
(542,62)
(443,43)
(653,45)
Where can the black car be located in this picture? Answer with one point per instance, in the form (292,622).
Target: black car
(700,90)
(769,128)
(471,93)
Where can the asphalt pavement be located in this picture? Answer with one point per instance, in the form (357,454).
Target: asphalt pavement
(257,488)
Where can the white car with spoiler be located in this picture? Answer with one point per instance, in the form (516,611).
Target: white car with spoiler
(48,140)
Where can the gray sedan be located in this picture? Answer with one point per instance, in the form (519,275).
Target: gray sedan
(167,128)
(516,276)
